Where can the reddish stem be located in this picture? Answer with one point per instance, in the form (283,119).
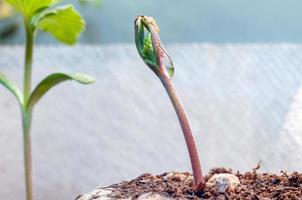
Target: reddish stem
(165,78)
(182,117)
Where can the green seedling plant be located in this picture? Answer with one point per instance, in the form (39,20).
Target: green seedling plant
(158,60)
(65,24)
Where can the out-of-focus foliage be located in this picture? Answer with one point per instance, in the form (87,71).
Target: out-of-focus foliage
(5,10)
(64,23)
(8,26)
(10,23)
(95,2)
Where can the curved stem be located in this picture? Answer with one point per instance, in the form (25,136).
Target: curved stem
(26,114)
(182,117)
(165,75)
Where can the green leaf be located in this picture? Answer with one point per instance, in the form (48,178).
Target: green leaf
(53,80)
(139,36)
(64,23)
(149,52)
(146,36)
(143,43)
(11,87)
(29,7)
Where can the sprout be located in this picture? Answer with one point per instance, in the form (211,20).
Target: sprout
(155,56)
(65,24)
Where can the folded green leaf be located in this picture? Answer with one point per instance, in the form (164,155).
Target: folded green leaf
(11,87)
(29,7)
(149,52)
(53,80)
(139,36)
(150,48)
(64,23)
(144,44)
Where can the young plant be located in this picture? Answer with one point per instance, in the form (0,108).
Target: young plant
(65,24)
(158,60)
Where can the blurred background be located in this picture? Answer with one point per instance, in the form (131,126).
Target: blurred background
(181,21)
(238,70)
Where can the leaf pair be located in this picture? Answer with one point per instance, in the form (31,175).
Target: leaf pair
(42,88)
(64,22)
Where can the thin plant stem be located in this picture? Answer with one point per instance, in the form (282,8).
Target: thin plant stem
(28,61)
(26,119)
(26,114)
(184,122)
(165,78)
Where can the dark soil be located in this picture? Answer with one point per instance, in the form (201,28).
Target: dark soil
(254,186)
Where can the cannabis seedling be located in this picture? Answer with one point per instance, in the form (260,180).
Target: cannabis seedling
(65,24)
(158,60)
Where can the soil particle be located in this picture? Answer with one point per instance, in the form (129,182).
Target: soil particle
(253,186)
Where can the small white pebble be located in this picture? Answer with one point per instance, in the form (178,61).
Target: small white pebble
(223,181)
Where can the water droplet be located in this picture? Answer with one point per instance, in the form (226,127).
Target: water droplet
(167,62)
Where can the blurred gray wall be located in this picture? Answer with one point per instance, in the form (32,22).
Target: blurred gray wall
(244,104)
(190,20)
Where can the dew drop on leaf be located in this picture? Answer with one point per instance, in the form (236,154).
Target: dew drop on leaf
(167,62)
